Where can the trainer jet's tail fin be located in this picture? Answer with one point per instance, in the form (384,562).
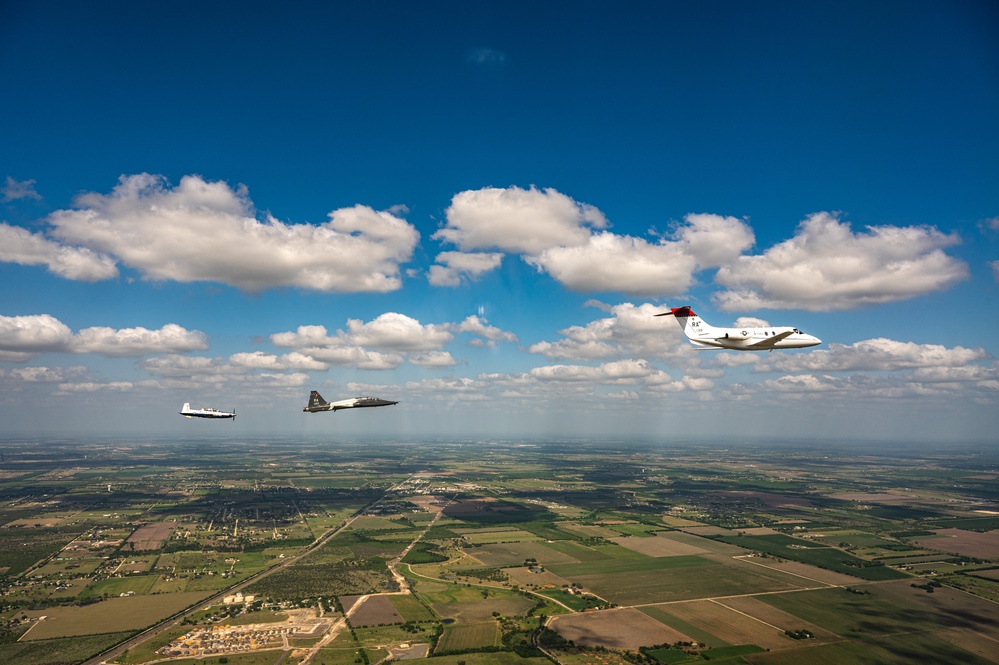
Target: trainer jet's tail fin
(315,399)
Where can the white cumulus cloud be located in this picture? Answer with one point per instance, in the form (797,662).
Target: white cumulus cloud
(875,355)
(568,240)
(340,349)
(92,387)
(452,266)
(20,246)
(630,330)
(478,326)
(385,342)
(628,371)
(518,221)
(23,337)
(125,342)
(261,360)
(43,374)
(397,332)
(207,231)
(826,266)
(714,240)
(609,262)
(433,359)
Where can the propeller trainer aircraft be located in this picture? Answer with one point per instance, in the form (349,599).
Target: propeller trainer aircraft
(205,412)
(317,403)
(705,336)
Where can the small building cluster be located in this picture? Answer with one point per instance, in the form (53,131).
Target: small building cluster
(238,599)
(224,639)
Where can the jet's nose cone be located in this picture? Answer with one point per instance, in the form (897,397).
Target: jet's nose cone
(813,340)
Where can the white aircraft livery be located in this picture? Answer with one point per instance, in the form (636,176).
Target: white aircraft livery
(205,412)
(705,336)
(317,403)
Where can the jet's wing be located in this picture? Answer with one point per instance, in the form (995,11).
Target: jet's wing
(769,342)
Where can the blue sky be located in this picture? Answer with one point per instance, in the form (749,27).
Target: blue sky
(475,208)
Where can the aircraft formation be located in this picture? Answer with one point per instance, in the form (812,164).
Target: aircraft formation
(316,405)
(700,333)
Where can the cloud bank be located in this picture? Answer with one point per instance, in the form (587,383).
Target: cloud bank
(207,231)
(25,337)
(826,266)
(203,231)
(569,241)
(387,341)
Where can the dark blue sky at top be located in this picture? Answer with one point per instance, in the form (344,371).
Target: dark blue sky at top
(766,110)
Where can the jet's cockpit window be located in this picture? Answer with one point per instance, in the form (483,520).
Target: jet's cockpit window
(797,332)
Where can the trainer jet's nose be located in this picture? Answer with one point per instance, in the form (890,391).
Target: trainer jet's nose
(810,340)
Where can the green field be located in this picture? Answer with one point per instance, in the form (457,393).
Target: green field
(411,608)
(887,650)
(684,627)
(808,552)
(662,579)
(846,613)
(462,636)
(64,650)
(112,615)
(616,566)
(117,586)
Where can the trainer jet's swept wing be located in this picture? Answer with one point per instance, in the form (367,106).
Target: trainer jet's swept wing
(317,403)
(705,336)
(205,412)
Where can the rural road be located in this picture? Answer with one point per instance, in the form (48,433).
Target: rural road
(174,620)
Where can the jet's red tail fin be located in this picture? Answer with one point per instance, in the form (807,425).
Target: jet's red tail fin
(691,324)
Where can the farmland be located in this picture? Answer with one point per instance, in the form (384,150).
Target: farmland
(499,552)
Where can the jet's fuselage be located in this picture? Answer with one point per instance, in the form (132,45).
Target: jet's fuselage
(744,338)
(316,406)
(705,336)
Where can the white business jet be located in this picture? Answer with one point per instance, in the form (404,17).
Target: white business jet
(705,336)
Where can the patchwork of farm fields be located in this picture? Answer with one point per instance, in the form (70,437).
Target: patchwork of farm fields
(589,552)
